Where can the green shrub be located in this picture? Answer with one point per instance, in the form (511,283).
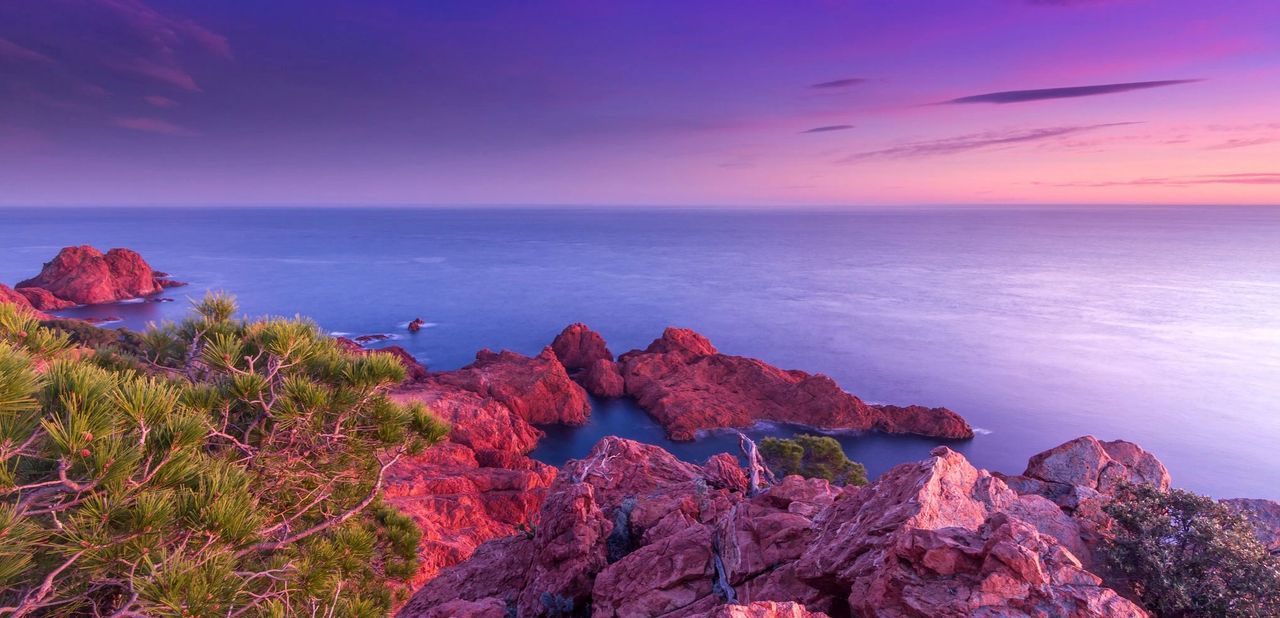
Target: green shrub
(1185,555)
(812,457)
(234,470)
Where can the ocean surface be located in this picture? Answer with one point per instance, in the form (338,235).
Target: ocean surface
(1159,325)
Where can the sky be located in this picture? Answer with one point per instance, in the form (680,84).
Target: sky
(744,102)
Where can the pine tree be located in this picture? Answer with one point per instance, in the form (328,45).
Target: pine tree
(233,469)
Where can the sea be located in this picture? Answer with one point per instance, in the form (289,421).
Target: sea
(1158,325)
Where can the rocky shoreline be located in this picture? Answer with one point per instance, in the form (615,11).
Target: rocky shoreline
(630,530)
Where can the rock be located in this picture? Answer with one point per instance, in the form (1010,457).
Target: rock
(684,383)
(489,607)
(934,538)
(577,347)
(602,379)
(762,609)
(723,471)
(921,420)
(10,297)
(85,276)
(480,422)
(416,325)
(44,300)
(537,389)
(1264,515)
(649,535)
(1098,466)
(461,498)
(570,543)
(170,283)
(362,339)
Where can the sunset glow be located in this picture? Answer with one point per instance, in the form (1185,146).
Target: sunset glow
(905,102)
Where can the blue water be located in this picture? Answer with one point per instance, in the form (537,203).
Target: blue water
(1157,325)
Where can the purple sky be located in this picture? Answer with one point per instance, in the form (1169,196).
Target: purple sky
(736,103)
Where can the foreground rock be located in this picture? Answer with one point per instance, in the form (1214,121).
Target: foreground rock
(632,531)
(481,485)
(85,276)
(413,370)
(688,386)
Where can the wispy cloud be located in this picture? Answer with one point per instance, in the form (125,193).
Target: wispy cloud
(828,128)
(840,83)
(160,101)
(153,125)
(1069,92)
(12,52)
(975,141)
(1243,142)
(1242,178)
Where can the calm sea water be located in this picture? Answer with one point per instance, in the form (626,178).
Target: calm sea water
(1157,325)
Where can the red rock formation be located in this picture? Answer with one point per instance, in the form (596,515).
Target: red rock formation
(416,325)
(461,498)
(763,609)
(687,385)
(44,300)
(537,389)
(577,347)
(9,297)
(933,538)
(84,276)
(480,485)
(602,379)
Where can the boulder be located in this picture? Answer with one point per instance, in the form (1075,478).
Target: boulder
(577,347)
(1086,469)
(489,607)
(416,325)
(570,550)
(602,379)
(85,276)
(688,386)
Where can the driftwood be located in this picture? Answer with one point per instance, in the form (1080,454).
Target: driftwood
(757,470)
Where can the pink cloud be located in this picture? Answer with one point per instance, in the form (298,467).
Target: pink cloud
(10,51)
(153,125)
(160,101)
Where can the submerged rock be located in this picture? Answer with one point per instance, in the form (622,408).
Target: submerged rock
(688,386)
(85,276)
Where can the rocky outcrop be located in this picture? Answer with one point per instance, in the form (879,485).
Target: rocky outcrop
(635,532)
(1264,515)
(416,325)
(602,379)
(481,485)
(535,388)
(588,360)
(85,276)
(1076,473)
(688,386)
(10,297)
(577,347)
(44,300)
(461,497)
